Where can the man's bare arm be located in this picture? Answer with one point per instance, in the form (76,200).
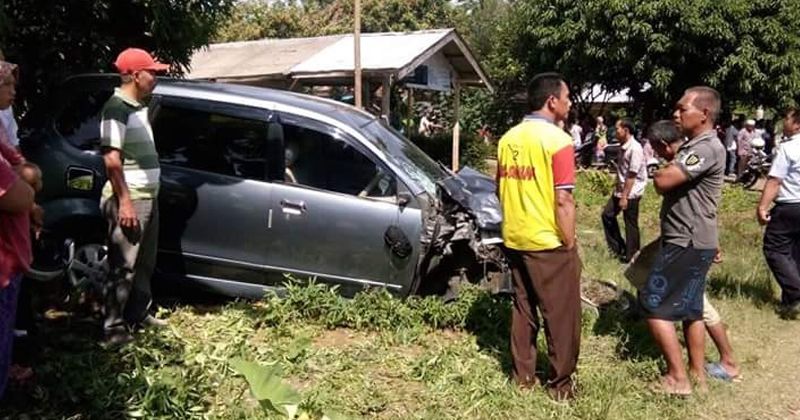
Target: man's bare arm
(18,198)
(771,189)
(565,217)
(669,178)
(115,174)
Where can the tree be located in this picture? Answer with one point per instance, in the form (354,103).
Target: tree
(748,50)
(52,39)
(262,19)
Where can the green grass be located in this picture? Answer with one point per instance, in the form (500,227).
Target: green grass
(380,357)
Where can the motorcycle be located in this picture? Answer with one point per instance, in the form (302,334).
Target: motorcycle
(585,156)
(757,167)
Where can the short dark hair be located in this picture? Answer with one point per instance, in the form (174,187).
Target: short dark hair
(541,87)
(707,97)
(664,131)
(627,124)
(793,113)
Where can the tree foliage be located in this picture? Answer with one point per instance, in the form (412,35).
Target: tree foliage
(266,19)
(51,39)
(749,51)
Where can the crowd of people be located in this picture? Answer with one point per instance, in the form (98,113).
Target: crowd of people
(536,177)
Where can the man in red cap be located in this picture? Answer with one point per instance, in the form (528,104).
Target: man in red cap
(130,197)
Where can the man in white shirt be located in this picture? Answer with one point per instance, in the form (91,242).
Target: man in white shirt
(782,236)
(731,134)
(576,131)
(631,181)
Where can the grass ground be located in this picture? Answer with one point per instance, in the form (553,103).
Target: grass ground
(378,357)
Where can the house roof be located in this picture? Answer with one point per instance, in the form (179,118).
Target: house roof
(332,57)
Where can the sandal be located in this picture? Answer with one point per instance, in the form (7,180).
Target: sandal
(718,371)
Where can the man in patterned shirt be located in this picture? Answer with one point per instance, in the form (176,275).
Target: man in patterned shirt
(129,199)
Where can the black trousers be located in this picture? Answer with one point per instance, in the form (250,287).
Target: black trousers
(628,247)
(782,249)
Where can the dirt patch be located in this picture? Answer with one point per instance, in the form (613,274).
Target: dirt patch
(340,337)
(598,292)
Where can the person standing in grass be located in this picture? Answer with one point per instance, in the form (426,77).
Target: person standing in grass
(536,176)
(130,197)
(691,184)
(782,236)
(631,181)
(16,208)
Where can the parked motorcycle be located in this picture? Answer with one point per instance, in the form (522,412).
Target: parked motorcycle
(585,156)
(757,167)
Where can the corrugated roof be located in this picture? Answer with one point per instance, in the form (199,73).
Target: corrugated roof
(255,58)
(332,57)
(382,51)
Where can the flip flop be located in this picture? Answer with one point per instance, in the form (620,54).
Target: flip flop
(717,371)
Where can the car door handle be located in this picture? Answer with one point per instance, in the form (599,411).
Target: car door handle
(293,207)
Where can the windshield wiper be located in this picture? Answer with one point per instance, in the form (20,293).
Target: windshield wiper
(444,167)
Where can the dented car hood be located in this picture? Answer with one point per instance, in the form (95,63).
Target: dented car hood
(477,193)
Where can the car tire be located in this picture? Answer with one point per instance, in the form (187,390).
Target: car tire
(77,255)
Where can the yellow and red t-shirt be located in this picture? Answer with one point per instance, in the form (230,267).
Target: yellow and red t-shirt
(534,159)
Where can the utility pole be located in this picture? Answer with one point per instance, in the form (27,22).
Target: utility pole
(357,45)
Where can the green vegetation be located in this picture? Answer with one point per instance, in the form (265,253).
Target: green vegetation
(474,151)
(54,39)
(375,356)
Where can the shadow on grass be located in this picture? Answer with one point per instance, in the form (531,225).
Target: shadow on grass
(75,377)
(759,291)
(634,341)
(489,319)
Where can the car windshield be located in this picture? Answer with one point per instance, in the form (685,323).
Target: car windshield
(405,154)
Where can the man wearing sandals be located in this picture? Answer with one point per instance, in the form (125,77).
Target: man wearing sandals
(692,187)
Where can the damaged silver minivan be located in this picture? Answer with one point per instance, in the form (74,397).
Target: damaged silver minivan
(259,183)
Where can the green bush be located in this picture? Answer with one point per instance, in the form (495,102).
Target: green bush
(372,309)
(474,151)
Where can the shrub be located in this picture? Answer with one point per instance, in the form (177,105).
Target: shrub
(474,151)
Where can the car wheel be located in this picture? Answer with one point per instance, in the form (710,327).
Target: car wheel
(89,267)
(51,255)
(74,251)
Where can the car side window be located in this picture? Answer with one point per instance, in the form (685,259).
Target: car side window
(211,141)
(78,120)
(322,158)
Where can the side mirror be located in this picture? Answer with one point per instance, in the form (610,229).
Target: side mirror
(403,198)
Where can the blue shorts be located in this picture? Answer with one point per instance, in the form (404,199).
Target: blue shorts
(677,281)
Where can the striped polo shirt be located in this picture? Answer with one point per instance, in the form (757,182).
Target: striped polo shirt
(124,126)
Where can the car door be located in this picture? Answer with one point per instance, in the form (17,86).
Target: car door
(332,209)
(214,195)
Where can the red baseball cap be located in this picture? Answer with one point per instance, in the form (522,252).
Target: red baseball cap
(135,59)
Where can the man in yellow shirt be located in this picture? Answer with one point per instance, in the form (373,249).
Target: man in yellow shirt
(536,176)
